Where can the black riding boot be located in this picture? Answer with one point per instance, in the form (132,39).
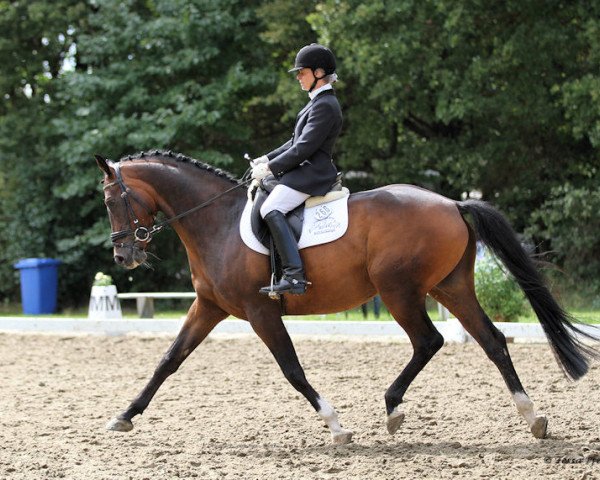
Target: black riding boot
(292,280)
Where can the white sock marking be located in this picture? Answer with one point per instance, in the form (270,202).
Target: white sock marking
(329,415)
(525,407)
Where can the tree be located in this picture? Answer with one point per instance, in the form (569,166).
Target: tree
(173,75)
(134,75)
(467,96)
(460,97)
(569,221)
(34,46)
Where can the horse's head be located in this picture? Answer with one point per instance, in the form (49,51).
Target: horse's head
(131,215)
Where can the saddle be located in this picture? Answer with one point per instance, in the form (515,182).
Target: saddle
(296,217)
(325,222)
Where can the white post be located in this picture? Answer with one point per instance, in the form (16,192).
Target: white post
(453,331)
(104,303)
(443,312)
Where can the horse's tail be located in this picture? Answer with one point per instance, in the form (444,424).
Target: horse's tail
(565,338)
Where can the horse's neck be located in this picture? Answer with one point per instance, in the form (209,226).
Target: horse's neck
(181,189)
(177,188)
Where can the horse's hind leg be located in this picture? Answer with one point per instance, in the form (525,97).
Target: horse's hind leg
(457,293)
(271,330)
(201,319)
(409,311)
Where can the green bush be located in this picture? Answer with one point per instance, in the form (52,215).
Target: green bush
(498,292)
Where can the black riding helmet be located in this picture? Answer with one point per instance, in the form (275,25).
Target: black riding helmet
(314,56)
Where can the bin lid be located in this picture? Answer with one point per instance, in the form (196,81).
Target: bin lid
(36,262)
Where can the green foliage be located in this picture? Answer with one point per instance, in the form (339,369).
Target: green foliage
(126,76)
(33,46)
(463,96)
(497,292)
(569,220)
(460,96)
(286,30)
(163,74)
(174,75)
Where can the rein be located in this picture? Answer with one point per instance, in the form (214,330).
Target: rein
(145,234)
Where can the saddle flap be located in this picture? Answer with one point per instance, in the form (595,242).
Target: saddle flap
(321,221)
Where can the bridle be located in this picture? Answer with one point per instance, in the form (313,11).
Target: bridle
(145,234)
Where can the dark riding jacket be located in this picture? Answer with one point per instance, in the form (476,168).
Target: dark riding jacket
(304,162)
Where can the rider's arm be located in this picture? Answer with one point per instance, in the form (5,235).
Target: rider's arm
(279,150)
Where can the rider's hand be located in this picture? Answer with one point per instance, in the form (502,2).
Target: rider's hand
(260,171)
(259,160)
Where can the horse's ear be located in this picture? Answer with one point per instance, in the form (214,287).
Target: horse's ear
(103,164)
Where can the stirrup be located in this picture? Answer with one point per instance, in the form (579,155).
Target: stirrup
(273,295)
(285,285)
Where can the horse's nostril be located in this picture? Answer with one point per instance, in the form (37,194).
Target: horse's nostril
(119,259)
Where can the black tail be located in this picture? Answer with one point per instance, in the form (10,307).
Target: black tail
(565,338)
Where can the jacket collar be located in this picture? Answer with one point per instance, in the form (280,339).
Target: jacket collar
(319,90)
(320,93)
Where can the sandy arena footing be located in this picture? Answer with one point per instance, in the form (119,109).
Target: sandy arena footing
(229,413)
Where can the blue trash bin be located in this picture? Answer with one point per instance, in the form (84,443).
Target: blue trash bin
(39,284)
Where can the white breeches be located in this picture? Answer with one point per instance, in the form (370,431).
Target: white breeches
(284,199)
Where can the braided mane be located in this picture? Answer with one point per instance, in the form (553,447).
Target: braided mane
(169,156)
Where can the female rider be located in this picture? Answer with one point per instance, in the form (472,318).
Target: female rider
(303,165)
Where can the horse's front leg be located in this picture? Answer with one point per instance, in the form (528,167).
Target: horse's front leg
(201,319)
(272,332)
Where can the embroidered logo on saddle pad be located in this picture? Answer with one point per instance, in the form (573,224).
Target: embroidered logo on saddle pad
(325,220)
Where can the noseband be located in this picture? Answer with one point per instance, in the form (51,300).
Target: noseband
(144,234)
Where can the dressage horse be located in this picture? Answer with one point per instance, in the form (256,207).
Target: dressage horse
(402,243)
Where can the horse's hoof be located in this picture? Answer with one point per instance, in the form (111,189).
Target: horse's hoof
(342,437)
(119,425)
(540,427)
(394,420)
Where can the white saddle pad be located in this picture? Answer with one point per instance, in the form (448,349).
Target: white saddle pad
(323,223)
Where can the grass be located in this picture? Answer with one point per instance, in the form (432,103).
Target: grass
(583,315)
(177,314)
(130,313)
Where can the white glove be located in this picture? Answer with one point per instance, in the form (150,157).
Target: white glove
(260,171)
(259,160)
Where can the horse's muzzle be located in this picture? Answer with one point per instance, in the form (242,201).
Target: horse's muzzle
(129,257)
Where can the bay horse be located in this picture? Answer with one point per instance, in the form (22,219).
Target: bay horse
(402,243)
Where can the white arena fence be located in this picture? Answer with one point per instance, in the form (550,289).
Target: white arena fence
(451,329)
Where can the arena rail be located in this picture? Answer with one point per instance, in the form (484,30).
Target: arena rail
(145,300)
(451,329)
